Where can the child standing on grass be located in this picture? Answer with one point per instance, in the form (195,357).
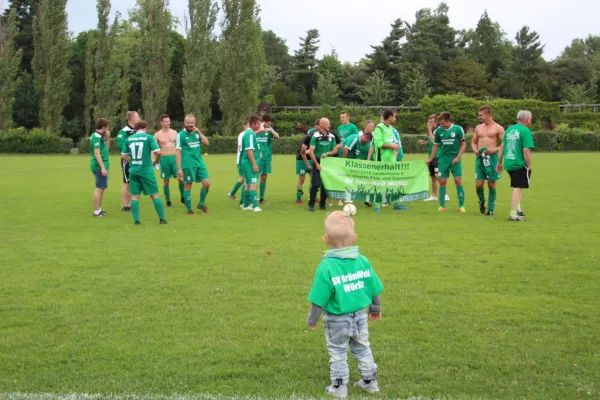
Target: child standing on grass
(344,285)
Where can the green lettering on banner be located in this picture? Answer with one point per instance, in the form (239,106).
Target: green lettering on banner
(374,181)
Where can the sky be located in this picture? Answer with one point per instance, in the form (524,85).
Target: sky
(351,26)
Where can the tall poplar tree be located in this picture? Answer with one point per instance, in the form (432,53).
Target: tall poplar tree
(10,60)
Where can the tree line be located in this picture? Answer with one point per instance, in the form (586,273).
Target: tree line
(62,83)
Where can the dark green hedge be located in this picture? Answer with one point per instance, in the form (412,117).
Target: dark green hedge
(36,141)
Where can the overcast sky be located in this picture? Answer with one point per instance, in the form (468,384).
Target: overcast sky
(351,26)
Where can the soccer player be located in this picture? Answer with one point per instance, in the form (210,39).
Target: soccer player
(265,136)
(486,144)
(432,124)
(132,118)
(137,150)
(323,144)
(250,167)
(357,146)
(386,146)
(347,128)
(450,140)
(165,138)
(99,163)
(516,158)
(190,164)
(303,164)
(240,182)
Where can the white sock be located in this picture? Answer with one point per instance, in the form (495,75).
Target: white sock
(98,211)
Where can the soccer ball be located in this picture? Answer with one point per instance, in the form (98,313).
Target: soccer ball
(350,209)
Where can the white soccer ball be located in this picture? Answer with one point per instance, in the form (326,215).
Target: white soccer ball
(350,209)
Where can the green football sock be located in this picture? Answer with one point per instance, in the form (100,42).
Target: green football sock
(243,196)
(188,199)
(167,190)
(519,207)
(299,194)
(513,213)
(442,196)
(460,192)
(135,210)
(181,189)
(481,195)
(203,194)
(236,187)
(158,206)
(247,198)
(253,198)
(492,200)
(263,187)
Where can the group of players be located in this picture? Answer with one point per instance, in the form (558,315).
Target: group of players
(179,156)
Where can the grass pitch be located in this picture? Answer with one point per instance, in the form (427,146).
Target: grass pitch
(473,307)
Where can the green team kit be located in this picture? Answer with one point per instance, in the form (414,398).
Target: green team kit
(449,142)
(264,140)
(98,142)
(357,149)
(192,163)
(344,131)
(168,167)
(249,142)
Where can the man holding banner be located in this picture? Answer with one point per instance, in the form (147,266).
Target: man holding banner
(323,144)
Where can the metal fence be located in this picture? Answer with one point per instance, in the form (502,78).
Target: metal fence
(316,108)
(565,108)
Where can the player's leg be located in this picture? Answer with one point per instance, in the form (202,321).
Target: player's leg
(202,177)
(188,177)
(238,184)
(456,170)
(433,171)
(442,196)
(101,183)
(263,187)
(135,190)
(150,188)
(491,198)
(125,196)
(301,172)
(444,167)
(315,185)
(323,200)
(480,178)
(167,191)
(516,201)
(160,209)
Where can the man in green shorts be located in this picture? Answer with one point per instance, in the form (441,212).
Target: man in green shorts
(165,138)
(265,136)
(303,163)
(190,164)
(450,140)
(250,167)
(132,118)
(99,163)
(516,156)
(486,144)
(238,162)
(137,150)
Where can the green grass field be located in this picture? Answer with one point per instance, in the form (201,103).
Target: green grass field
(473,307)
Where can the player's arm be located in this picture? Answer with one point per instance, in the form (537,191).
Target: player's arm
(252,159)
(375,308)
(275,134)
(155,148)
(125,152)
(303,151)
(527,157)
(204,139)
(345,152)
(178,157)
(371,151)
(98,157)
(475,142)
(311,153)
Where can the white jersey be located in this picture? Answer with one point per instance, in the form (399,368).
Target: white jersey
(239,149)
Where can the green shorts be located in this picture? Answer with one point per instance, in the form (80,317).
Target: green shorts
(445,167)
(168,167)
(198,173)
(142,183)
(301,167)
(485,168)
(264,167)
(250,177)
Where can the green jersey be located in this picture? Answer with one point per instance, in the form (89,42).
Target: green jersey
(191,149)
(430,147)
(139,147)
(357,149)
(311,130)
(345,282)
(398,141)
(265,142)
(97,142)
(449,141)
(344,131)
(249,142)
(124,134)
(383,134)
(323,143)
(516,138)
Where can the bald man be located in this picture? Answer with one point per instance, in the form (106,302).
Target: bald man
(323,144)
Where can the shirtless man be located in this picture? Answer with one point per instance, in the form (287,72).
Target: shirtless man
(168,165)
(487,143)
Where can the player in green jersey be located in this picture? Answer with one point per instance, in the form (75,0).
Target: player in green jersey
(347,128)
(323,144)
(487,144)
(250,169)
(240,182)
(137,150)
(99,163)
(132,118)
(450,140)
(190,164)
(357,146)
(265,136)
(303,163)
(432,124)
(516,158)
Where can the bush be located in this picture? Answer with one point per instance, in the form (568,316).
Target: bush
(36,141)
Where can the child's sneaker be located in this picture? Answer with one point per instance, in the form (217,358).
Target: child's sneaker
(341,391)
(371,387)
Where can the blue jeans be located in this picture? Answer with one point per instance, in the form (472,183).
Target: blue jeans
(101,181)
(349,331)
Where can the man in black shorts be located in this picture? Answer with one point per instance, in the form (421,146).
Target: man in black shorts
(516,159)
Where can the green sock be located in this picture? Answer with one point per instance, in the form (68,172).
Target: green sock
(519,207)
(236,187)
(460,192)
(513,213)
(481,195)
(167,190)
(135,210)
(188,199)
(253,198)
(247,198)
(492,200)
(299,194)
(203,194)
(442,196)
(181,190)
(158,206)
(243,197)
(263,187)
